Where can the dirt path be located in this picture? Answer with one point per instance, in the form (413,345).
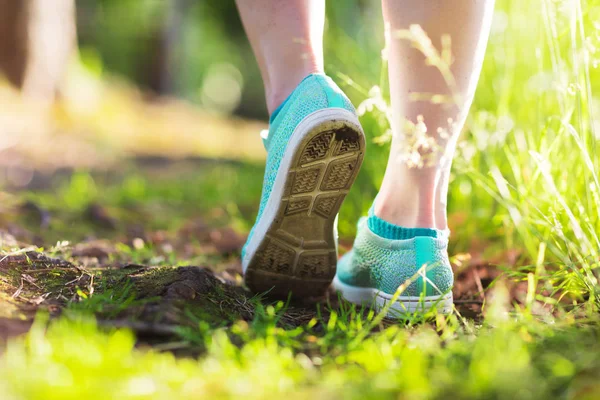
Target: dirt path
(143,253)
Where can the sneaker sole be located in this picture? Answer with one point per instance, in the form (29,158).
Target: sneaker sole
(403,305)
(294,248)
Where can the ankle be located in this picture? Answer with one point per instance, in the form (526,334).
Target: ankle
(405,215)
(280,88)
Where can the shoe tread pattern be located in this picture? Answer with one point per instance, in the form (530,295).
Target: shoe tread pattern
(298,254)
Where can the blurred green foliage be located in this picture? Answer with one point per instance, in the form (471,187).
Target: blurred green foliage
(129,36)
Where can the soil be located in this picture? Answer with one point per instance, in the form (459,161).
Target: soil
(130,275)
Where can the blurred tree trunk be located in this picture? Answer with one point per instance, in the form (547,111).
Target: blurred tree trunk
(165,65)
(37,38)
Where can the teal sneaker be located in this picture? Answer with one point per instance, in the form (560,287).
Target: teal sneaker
(376,267)
(315,147)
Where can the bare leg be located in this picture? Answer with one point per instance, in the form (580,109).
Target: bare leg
(412,196)
(287,39)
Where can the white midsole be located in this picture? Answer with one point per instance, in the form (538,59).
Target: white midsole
(270,211)
(404,304)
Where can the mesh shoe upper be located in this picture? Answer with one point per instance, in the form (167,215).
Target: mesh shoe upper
(385,264)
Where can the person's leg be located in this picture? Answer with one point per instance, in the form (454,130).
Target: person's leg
(403,244)
(287,39)
(416,196)
(315,147)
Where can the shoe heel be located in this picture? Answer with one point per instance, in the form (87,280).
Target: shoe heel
(298,250)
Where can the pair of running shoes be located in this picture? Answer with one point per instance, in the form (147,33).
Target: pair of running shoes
(315,147)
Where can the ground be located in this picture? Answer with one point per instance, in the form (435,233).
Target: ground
(145,261)
(154,250)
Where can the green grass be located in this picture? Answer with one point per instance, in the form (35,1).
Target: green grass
(525,181)
(511,356)
(162,196)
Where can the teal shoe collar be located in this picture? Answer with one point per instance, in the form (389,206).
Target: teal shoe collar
(280,111)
